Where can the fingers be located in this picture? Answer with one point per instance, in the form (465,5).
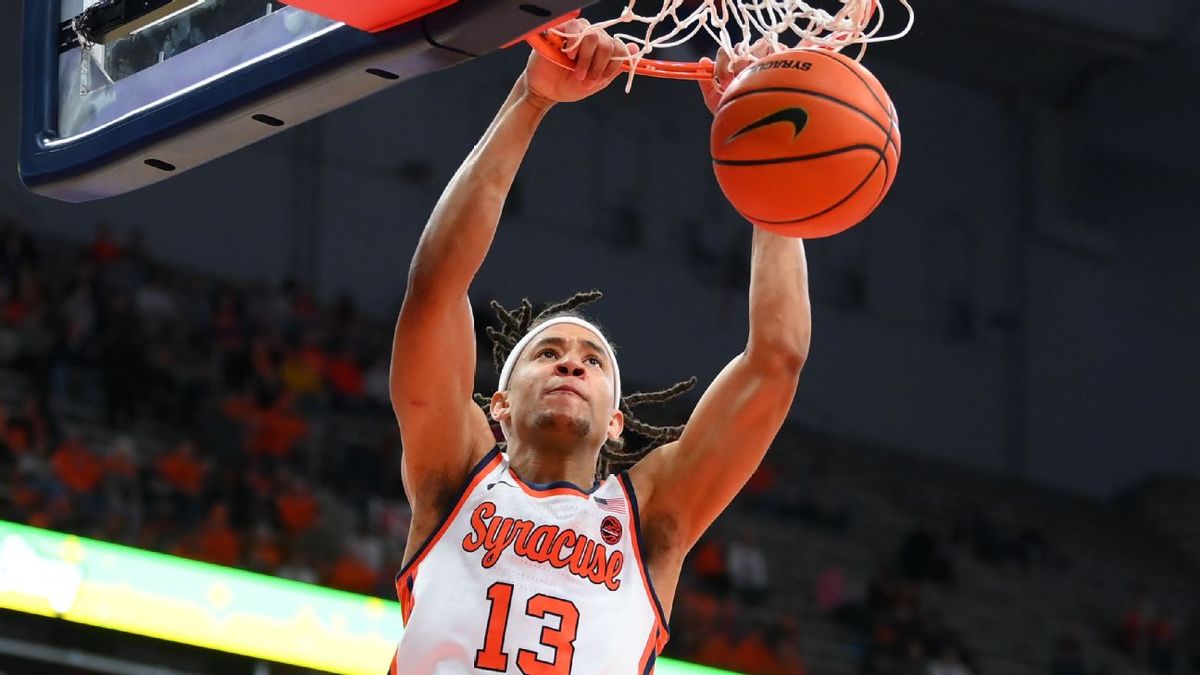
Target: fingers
(602,57)
(709,84)
(584,55)
(614,64)
(721,68)
(598,57)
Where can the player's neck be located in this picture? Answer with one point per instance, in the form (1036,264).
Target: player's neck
(549,465)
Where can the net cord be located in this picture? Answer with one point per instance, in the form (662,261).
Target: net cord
(780,25)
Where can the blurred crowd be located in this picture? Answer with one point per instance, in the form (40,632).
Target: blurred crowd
(179,413)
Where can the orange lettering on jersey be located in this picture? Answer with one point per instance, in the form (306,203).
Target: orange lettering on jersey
(615,563)
(498,539)
(541,544)
(521,543)
(597,565)
(564,539)
(584,550)
(478,526)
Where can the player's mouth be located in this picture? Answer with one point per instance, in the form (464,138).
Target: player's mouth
(567,389)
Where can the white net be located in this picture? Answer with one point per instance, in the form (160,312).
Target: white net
(737,25)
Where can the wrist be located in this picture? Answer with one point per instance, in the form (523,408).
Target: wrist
(537,101)
(533,99)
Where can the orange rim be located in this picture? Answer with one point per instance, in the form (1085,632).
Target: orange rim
(550,46)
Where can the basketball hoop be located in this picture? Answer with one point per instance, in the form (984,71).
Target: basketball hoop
(781,24)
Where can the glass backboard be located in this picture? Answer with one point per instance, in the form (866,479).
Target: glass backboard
(119,94)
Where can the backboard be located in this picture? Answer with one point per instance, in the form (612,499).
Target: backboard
(120,94)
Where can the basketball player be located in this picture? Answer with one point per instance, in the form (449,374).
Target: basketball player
(522,561)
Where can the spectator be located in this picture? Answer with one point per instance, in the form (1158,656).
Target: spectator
(104,248)
(153,302)
(351,573)
(265,361)
(263,551)
(751,654)
(77,467)
(183,474)
(301,371)
(217,542)
(303,310)
(377,384)
(709,565)
(748,569)
(345,378)
(296,506)
(272,426)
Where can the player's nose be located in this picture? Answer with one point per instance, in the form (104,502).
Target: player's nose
(569,367)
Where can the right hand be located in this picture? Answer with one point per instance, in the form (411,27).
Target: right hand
(595,67)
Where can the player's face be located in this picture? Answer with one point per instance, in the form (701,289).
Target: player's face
(563,383)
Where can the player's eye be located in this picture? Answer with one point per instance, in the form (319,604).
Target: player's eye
(552,354)
(594,361)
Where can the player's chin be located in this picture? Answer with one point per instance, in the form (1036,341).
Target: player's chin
(562,421)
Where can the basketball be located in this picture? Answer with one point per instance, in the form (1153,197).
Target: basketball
(805,143)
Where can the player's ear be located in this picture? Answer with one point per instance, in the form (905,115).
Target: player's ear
(501,410)
(616,424)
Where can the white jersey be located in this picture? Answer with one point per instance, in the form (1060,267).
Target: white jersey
(531,579)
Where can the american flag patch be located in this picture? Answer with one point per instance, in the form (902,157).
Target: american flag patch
(611,505)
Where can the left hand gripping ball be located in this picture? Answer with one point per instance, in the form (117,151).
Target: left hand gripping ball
(805,143)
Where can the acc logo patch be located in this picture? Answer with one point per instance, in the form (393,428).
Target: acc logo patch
(610,530)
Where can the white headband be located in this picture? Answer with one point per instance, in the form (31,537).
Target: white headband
(511,361)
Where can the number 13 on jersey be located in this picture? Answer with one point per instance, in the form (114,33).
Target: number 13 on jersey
(560,639)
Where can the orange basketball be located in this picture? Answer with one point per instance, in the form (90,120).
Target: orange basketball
(805,143)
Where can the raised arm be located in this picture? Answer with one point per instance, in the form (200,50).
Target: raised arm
(683,486)
(433,350)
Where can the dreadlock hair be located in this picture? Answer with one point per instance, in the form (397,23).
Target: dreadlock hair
(615,456)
